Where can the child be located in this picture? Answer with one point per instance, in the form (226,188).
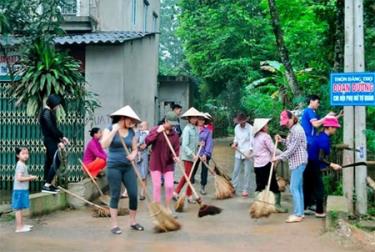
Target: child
(20,196)
(142,154)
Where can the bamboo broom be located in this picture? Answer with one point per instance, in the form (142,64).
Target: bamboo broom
(179,207)
(204,209)
(163,220)
(264,204)
(223,187)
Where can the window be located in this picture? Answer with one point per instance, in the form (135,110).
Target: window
(134,11)
(154,22)
(145,14)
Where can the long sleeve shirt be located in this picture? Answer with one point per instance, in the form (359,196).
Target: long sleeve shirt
(48,124)
(190,141)
(263,149)
(295,153)
(93,150)
(244,139)
(161,156)
(205,135)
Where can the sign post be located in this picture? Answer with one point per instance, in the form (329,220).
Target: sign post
(353,91)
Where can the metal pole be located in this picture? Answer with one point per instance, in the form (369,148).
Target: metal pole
(360,113)
(348,174)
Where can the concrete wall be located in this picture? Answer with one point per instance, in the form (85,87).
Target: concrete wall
(173,89)
(116,15)
(123,75)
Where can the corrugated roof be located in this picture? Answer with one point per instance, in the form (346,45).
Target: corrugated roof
(117,37)
(101,38)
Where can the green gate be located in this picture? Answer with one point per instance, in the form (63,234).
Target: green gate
(17,129)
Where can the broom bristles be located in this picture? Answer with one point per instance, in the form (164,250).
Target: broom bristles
(164,221)
(103,212)
(179,207)
(263,206)
(205,210)
(224,188)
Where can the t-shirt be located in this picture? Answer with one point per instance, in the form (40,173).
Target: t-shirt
(310,131)
(319,143)
(18,185)
(117,156)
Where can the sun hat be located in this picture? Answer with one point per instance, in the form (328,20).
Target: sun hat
(241,117)
(191,112)
(284,118)
(259,123)
(172,118)
(208,116)
(331,121)
(126,111)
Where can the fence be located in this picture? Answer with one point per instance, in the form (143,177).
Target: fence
(17,129)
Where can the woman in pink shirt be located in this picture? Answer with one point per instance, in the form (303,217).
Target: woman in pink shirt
(95,157)
(262,153)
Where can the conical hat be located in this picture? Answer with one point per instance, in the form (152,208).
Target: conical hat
(208,116)
(259,123)
(192,112)
(126,111)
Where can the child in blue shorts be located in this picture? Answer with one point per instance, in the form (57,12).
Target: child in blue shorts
(20,196)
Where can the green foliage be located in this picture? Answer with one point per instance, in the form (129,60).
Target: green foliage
(45,70)
(332,185)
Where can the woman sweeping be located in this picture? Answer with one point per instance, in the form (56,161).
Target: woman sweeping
(205,137)
(296,155)
(190,141)
(262,153)
(119,168)
(162,159)
(95,158)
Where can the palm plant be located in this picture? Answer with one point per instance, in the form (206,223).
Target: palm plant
(47,71)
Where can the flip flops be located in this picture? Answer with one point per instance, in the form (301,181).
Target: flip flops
(137,227)
(116,230)
(294,219)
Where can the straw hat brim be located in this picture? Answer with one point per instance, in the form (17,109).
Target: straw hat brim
(126,111)
(259,123)
(192,112)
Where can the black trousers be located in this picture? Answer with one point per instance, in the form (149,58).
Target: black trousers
(313,188)
(51,147)
(261,178)
(204,172)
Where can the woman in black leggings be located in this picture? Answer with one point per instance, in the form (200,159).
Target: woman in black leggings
(119,167)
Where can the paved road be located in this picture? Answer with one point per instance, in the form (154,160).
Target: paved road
(233,230)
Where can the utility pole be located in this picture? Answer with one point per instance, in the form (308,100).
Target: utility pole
(355,117)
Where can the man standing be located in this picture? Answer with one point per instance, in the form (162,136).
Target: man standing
(177,109)
(243,144)
(52,139)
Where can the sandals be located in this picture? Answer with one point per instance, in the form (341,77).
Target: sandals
(191,201)
(116,230)
(142,197)
(294,218)
(175,196)
(137,227)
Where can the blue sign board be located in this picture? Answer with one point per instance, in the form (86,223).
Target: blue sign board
(352,89)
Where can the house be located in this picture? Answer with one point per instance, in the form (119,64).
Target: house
(117,42)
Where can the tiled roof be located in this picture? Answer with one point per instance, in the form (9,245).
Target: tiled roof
(101,38)
(86,38)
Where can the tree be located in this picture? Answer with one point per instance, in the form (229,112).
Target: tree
(45,70)
(283,51)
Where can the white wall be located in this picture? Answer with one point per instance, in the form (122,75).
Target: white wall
(123,75)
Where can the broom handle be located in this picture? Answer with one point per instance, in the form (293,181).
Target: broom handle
(220,168)
(134,167)
(80,198)
(181,167)
(272,165)
(243,154)
(91,177)
(195,162)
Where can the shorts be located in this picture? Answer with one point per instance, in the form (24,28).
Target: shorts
(20,199)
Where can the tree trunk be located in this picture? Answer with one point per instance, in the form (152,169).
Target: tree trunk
(338,64)
(283,51)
